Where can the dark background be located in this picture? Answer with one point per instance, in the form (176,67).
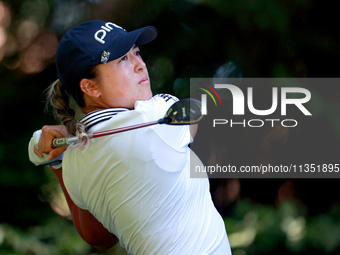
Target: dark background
(196,38)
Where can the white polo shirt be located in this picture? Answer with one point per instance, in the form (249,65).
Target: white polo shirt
(138,185)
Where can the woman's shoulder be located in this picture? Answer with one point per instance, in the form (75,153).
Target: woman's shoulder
(156,107)
(159,101)
(166,98)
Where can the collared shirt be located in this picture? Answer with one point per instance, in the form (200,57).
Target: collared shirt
(137,184)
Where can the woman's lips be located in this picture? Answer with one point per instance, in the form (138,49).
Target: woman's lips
(144,80)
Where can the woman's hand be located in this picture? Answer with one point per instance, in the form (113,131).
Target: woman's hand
(49,133)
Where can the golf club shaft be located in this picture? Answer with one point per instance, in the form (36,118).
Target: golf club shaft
(123,129)
(64,141)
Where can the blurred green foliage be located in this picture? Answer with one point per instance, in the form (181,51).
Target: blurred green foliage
(285,229)
(196,37)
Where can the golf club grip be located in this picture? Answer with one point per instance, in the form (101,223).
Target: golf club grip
(64,141)
(59,142)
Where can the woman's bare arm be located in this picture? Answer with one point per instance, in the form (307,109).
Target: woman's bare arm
(89,228)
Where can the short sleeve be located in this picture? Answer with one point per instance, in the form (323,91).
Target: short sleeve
(177,137)
(156,107)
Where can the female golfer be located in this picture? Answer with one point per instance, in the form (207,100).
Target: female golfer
(135,186)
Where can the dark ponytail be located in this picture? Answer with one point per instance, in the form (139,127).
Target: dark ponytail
(59,100)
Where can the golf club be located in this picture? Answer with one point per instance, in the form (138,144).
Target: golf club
(183,112)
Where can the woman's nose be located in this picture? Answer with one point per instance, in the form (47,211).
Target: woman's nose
(139,63)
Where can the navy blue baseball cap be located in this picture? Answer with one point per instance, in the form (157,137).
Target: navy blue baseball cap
(91,43)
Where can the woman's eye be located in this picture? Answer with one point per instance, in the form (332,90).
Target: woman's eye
(138,53)
(123,58)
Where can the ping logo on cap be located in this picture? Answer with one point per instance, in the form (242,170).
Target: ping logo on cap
(101,33)
(105,56)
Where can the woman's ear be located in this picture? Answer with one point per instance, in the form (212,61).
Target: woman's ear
(89,87)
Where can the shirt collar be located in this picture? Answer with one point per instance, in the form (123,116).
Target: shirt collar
(93,118)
